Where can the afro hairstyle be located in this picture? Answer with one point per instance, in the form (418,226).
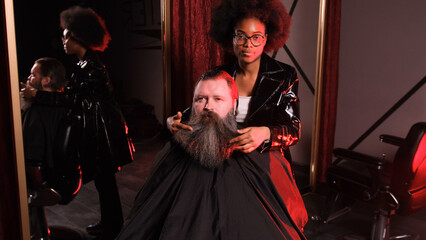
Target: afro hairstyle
(270,12)
(86,26)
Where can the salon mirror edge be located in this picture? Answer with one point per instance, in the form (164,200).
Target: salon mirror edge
(17,127)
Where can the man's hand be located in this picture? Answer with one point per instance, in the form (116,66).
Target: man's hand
(174,123)
(250,138)
(27,91)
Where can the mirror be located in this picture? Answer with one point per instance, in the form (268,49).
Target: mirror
(134,62)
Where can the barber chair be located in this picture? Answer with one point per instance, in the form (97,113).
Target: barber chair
(56,183)
(44,195)
(392,187)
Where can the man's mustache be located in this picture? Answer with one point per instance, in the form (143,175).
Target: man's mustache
(209,140)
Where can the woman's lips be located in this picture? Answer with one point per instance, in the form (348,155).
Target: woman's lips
(248,54)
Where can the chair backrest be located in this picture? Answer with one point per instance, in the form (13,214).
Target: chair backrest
(65,176)
(409,171)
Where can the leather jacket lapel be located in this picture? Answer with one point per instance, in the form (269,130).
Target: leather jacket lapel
(266,84)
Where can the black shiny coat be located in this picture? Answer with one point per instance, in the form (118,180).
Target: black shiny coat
(104,145)
(274,102)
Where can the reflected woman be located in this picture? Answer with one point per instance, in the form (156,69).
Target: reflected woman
(104,142)
(104,145)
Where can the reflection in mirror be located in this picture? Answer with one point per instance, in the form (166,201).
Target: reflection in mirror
(135,29)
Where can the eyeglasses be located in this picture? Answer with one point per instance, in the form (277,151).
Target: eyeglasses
(65,39)
(66,36)
(256,39)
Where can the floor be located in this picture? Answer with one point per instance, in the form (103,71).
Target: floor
(354,225)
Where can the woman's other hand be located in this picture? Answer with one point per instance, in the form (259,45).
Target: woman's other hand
(174,123)
(251,138)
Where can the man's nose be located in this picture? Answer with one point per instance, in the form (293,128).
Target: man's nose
(209,106)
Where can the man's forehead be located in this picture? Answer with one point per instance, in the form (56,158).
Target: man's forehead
(213,85)
(35,67)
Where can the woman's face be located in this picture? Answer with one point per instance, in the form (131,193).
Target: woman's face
(70,45)
(249,39)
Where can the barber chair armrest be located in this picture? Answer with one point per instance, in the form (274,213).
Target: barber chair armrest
(397,141)
(369,161)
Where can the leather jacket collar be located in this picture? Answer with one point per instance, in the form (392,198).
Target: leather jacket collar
(268,82)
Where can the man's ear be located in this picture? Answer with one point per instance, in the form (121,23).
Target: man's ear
(45,81)
(235,106)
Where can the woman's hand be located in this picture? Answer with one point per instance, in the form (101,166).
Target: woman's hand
(27,91)
(174,124)
(251,138)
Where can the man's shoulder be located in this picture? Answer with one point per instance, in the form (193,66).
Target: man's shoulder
(31,112)
(44,111)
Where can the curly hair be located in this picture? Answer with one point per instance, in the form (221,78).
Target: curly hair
(272,13)
(86,26)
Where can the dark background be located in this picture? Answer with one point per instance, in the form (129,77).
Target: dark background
(38,34)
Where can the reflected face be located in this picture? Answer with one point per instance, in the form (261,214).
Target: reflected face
(68,42)
(35,78)
(213,95)
(245,51)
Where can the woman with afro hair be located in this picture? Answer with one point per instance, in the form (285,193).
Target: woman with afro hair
(268,109)
(104,145)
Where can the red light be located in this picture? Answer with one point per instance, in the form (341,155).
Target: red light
(79,184)
(280,174)
(420,154)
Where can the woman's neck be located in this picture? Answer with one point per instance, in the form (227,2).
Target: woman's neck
(246,77)
(249,69)
(81,52)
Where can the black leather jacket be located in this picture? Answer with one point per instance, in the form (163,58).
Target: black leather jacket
(104,145)
(274,102)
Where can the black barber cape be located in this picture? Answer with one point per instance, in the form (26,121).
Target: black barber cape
(182,200)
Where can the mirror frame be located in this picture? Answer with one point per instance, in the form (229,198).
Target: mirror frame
(165,47)
(16,113)
(318,93)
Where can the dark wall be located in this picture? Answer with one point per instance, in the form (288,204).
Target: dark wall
(38,33)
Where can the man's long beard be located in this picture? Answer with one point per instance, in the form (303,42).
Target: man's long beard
(209,140)
(27,102)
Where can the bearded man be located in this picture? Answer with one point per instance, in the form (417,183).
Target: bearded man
(199,188)
(52,168)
